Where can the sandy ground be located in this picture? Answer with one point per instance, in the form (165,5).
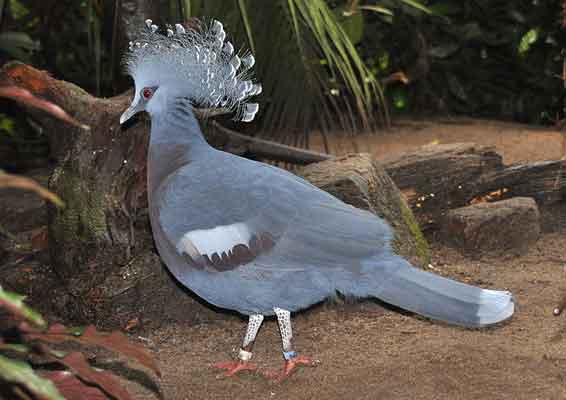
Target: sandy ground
(515,142)
(370,352)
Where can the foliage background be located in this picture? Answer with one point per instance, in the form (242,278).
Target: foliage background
(324,64)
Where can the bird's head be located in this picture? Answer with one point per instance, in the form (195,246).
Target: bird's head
(194,64)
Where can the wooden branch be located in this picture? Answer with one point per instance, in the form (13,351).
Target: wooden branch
(240,144)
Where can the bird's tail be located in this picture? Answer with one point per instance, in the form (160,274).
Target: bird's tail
(398,283)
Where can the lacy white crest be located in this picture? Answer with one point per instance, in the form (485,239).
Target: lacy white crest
(199,62)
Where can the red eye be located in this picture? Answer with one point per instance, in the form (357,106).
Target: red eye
(147,93)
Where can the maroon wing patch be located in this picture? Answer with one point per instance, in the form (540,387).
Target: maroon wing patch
(239,255)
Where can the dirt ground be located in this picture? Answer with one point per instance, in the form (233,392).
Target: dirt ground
(370,352)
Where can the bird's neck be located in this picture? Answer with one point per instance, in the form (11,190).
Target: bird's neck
(176,139)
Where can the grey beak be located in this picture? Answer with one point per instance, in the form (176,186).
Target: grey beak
(131,111)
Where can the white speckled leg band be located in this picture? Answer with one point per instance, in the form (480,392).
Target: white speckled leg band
(254,323)
(284,320)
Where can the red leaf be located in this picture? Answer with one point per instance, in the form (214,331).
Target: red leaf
(21,182)
(73,388)
(39,239)
(77,363)
(132,324)
(115,341)
(25,96)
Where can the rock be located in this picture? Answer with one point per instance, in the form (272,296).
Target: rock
(360,181)
(507,226)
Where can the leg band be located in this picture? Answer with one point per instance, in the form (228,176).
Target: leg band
(244,355)
(289,355)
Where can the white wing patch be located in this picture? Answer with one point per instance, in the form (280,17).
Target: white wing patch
(220,239)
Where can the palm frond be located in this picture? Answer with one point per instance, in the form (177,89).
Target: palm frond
(242,6)
(312,74)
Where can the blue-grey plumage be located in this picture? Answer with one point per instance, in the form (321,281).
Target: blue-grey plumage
(254,238)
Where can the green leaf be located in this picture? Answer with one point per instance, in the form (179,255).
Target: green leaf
(377,9)
(18,10)
(296,84)
(20,348)
(7,124)
(443,50)
(21,373)
(468,31)
(187,7)
(353,24)
(530,37)
(417,5)
(13,302)
(384,61)
(18,45)
(399,98)
(446,9)
(7,233)
(246,21)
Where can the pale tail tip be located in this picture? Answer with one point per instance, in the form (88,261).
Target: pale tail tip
(499,307)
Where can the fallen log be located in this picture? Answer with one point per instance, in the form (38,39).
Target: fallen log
(438,178)
(544,181)
(360,181)
(246,146)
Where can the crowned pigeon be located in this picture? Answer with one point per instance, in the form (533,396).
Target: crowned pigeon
(248,236)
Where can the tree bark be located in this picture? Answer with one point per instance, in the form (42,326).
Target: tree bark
(100,173)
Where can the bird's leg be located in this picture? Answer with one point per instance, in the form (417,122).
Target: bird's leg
(245,354)
(292,359)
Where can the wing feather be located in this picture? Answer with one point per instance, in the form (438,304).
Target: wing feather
(261,215)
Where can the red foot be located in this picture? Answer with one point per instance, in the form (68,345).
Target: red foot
(233,367)
(290,366)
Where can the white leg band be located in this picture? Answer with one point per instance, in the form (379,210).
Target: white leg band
(244,355)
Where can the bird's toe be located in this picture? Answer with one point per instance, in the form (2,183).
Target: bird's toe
(290,367)
(233,367)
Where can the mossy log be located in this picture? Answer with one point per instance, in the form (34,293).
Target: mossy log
(362,182)
(100,174)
